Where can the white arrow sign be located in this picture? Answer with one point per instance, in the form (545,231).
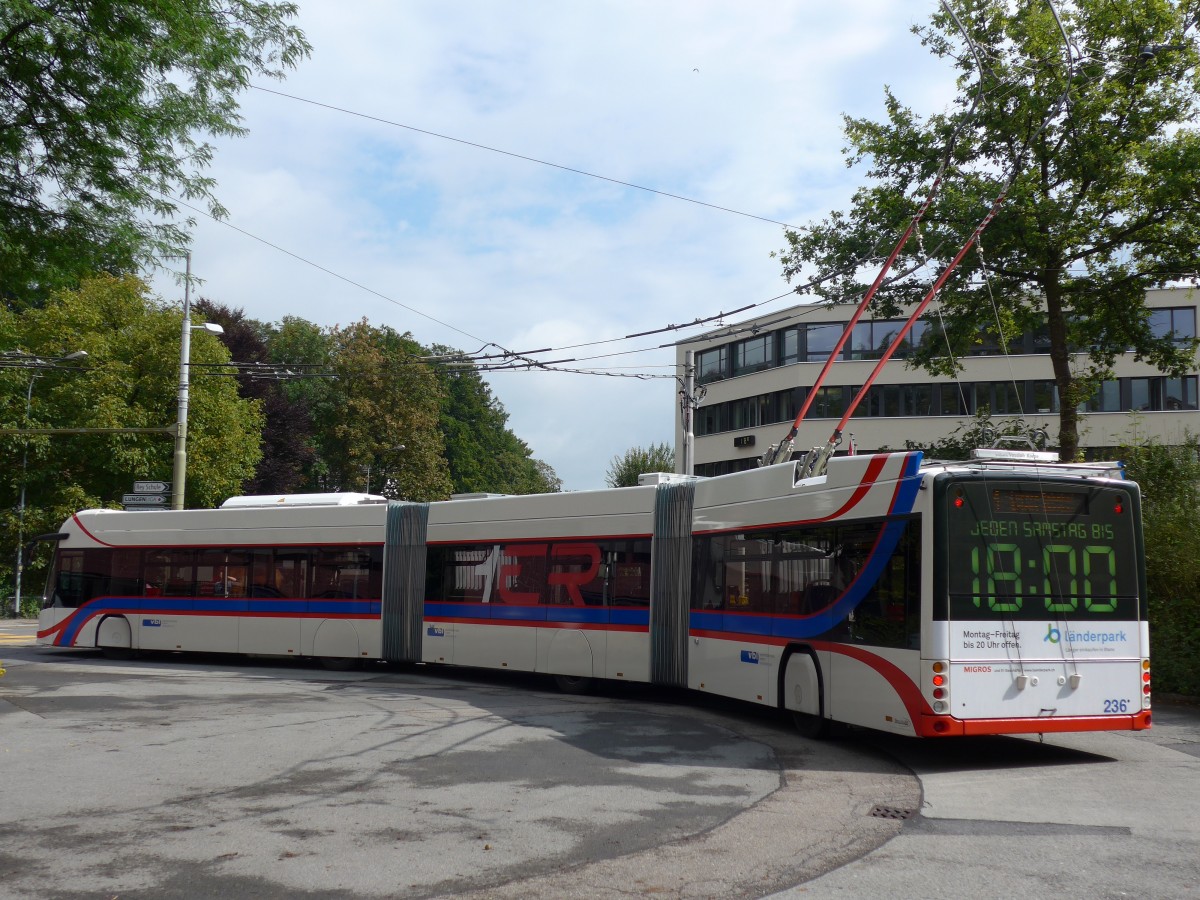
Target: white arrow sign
(151,487)
(146,501)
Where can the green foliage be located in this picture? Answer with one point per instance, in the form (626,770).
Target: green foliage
(129,380)
(1101,210)
(377,427)
(1169,477)
(287,441)
(482,452)
(981,431)
(624,470)
(102,117)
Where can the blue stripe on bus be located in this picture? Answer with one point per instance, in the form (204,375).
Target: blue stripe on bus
(589,615)
(909,487)
(238,606)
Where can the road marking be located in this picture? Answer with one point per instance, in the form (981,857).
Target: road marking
(17,640)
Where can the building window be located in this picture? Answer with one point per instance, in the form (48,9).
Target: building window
(1176,323)
(820,341)
(954,399)
(790,345)
(916,400)
(869,340)
(1043,397)
(918,336)
(1106,399)
(1179,393)
(711,364)
(753,355)
(829,403)
(1142,394)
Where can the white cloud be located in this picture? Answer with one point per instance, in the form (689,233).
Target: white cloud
(736,105)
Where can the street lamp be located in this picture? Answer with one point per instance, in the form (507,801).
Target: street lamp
(395,449)
(37,363)
(179,471)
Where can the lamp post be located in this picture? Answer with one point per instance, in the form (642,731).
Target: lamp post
(179,470)
(36,363)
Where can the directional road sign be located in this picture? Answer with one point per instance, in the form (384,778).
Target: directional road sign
(145,501)
(152,487)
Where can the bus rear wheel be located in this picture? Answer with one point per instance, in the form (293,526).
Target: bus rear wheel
(810,726)
(574,684)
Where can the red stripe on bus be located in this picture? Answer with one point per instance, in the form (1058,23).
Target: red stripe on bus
(910,695)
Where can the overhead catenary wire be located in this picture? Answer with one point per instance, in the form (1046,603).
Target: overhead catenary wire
(531,159)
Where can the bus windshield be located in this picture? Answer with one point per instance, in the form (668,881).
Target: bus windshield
(1028,550)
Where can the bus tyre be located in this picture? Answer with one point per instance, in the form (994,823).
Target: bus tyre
(340,663)
(810,726)
(114,637)
(574,684)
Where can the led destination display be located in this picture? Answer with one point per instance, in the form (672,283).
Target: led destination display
(1016,552)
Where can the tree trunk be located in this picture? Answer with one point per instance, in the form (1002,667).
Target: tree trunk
(1060,360)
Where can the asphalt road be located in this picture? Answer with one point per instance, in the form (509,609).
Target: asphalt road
(226,777)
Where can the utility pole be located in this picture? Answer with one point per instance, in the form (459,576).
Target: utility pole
(179,470)
(689,399)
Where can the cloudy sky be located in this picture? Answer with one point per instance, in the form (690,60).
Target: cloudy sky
(734,105)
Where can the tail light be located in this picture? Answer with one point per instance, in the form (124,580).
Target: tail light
(939,685)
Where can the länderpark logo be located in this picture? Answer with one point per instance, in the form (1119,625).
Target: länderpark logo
(1053,635)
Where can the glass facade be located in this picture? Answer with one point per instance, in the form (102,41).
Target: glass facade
(814,341)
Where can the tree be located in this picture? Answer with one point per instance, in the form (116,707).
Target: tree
(482,452)
(623,471)
(380,428)
(1103,149)
(130,381)
(287,437)
(101,109)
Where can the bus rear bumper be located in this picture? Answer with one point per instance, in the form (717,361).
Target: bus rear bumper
(948,726)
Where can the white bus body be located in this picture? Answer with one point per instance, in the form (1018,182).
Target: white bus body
(995,596)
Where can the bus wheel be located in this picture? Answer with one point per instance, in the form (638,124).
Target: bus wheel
(810,726)
(117,652)
(340,663)
(573,684)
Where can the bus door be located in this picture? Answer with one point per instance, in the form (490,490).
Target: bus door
(279,584)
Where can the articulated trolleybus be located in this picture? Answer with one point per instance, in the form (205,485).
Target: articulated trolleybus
(1001,595)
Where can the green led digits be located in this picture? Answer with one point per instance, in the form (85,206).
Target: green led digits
(1005,575)
(1065,562)
(1109,555)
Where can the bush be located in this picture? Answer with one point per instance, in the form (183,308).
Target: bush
(1169,477)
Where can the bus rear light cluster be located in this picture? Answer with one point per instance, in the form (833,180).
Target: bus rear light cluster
(1145,684)
(939,679)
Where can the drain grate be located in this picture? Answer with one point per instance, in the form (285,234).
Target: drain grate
(892,812)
